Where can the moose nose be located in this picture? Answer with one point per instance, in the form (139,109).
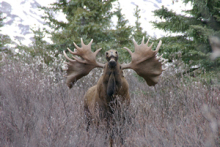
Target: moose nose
(112,63)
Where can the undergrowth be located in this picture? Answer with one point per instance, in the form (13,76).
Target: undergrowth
(38,109)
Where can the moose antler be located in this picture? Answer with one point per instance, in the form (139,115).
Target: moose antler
(144,62)
(81,66)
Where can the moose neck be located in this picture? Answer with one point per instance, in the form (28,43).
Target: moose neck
(113,81)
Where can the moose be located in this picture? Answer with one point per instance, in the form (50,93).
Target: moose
(112,82)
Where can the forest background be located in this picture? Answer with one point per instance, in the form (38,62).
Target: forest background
(37,108)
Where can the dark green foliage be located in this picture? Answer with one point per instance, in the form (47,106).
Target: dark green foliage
(4,39)
(39,47)
(138,30)
(92,20)
(122,35)
(122,32)
(194,30)
(85,19)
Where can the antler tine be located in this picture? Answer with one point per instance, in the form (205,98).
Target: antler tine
(158,46)
(67,63)
(97,51)
(79,60)
(129,51)
(74,53)
(142,42)
(90,43)
(82,43)
(151,45)
(78,48)
(68,57)
(148,41)
(135,43)
(163,62)
(164,69)
(159,57)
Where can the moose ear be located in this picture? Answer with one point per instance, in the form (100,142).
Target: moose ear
(77,68)
(145,63)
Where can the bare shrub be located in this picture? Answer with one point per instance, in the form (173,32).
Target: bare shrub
(38,109)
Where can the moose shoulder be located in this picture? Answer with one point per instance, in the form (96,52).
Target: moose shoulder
(112,83)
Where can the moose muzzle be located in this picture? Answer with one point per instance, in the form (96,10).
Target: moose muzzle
(112,62)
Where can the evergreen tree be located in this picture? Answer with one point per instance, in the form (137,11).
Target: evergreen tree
(122,34)
(138,30)
(4,39)
(194,31)
(85,19)
(39,47)
(123,30)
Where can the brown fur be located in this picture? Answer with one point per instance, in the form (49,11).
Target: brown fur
(100,99)
(111,84)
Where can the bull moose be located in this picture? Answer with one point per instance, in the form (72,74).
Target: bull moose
(112,82)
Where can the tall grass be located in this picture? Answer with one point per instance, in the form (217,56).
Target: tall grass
(38,109)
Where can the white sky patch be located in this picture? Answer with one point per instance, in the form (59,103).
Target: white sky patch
(45,2)
(147,7)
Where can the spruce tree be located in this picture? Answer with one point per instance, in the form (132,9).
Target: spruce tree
(122,34)
(193,32)
(138,30)
(4,39)
(38,48)
(85,19)
(122,30)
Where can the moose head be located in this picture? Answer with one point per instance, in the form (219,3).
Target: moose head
(144,62)
(112,82)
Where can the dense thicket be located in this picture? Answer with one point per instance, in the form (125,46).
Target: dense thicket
(193,29)
(38,109)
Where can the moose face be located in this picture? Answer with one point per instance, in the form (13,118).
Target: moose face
(112,58)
